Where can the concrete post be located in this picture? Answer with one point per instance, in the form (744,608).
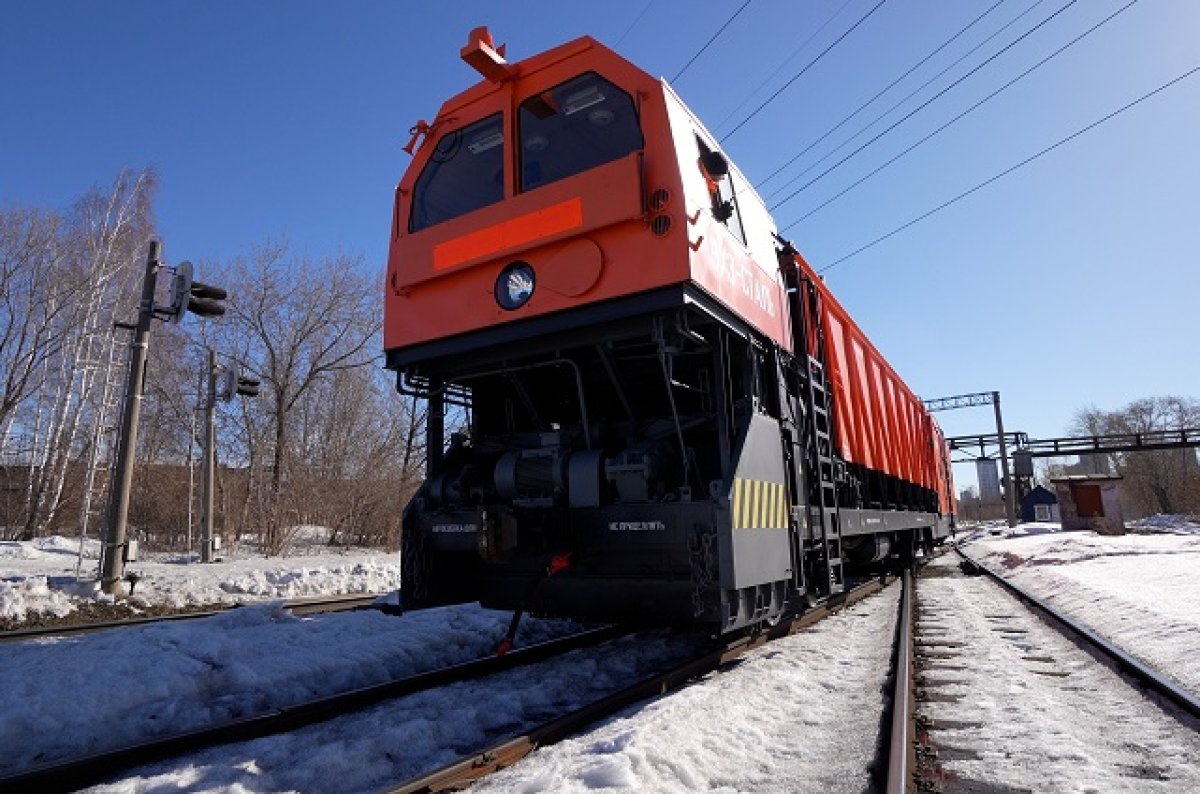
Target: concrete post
(113,553)
(209,471)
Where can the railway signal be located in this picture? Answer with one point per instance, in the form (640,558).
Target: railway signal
(233,383)
(189,295)
(224,383)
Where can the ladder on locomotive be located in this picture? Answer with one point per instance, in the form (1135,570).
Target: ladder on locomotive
(824,517)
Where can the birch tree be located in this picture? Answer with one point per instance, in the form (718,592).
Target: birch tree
(102,243)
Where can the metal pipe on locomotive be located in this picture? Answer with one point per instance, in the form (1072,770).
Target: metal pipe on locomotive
(667,415)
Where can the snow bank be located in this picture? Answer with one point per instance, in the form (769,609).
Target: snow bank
(1162,522)
(17,598)
(801,714)
(39,577)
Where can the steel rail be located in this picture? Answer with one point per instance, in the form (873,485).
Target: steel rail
(1145,675)
(900,745)
(461,773)
(299,606)
(91,770)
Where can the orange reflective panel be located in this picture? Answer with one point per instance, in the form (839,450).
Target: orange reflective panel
(523,229)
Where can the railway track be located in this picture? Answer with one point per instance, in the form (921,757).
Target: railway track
(1026,698)
(1145,675)
(900,747)
(300,606)
(481,763)
(478,763)
(81,772)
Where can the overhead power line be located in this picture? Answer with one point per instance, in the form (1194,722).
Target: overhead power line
(807,66)
(634,23)
(883,91)
(720,30)
(1011,169)
(972,108)
(786,61)
(907,97)
(921,106)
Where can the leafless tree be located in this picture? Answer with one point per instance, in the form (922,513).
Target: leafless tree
(294,323)
(1166,481)
(99,245)
(328,442)
(32,300)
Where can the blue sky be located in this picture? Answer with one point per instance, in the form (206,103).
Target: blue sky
(1072,281)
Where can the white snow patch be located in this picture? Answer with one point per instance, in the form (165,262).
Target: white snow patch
(1139,590)
(1163,522)
(63,697)
(172,580)
(801,714)
(17,596)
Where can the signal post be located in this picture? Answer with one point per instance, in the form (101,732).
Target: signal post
(223,383)
(186,296)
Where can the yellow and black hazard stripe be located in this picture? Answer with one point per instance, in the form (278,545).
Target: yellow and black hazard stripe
(758,504)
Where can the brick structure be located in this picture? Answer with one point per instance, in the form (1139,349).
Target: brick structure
(1090,501)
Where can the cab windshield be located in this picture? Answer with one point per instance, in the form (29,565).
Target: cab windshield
(465,172)
(580,124)
(570,128)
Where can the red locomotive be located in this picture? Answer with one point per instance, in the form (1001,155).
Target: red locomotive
(665,415)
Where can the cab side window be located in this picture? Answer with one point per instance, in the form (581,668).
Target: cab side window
(465,172)
(577,125)
(721,190)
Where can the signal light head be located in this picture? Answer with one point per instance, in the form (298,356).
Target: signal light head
(205,307)
(248,387)
(202,290)
(233,383)
(188,295)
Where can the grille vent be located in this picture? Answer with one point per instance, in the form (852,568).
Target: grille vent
(660,225)
(659,199)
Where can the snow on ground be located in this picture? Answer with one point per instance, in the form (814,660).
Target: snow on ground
(798,715)
(1138,590)
(69,696)
(402,738)
(1183,525)
(39,577)
(1016,706)
(802,714)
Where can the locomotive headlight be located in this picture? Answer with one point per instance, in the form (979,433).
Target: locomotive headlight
(515,285)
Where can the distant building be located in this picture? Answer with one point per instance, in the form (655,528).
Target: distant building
(989,480)
(1040,504)
(1090,501)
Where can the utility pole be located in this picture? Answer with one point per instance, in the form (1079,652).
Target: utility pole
(1010,499)
(210,458)
(115,544)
